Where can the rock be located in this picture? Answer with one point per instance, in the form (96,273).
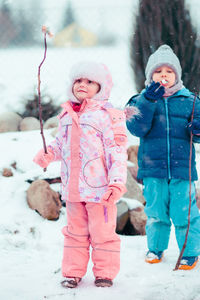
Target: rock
(138,219)
(51,123)
(29,123)
(198,197)
(44,200)
(132,153)
(122,215)
(133,189)
(198,203)
(7,172)
(14,165)
(9,121)
(54,132)
(131,219)
(133,170)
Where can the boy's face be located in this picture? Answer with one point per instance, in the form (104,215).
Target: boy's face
(165,76)
(84,88)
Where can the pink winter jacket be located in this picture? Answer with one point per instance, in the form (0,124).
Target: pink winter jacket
(91,145)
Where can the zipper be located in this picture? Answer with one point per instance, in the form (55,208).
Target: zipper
(168,144)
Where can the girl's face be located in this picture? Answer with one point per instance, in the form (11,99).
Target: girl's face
(165,76)
(84,88)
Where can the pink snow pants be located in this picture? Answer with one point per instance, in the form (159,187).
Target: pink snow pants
(86,226)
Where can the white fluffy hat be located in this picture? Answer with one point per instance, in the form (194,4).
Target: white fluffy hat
(93,71)
(164,55)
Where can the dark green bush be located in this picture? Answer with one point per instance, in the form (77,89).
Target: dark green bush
(31,108)
(165,22)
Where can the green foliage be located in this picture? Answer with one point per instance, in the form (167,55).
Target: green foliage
(69,17)
(31,108)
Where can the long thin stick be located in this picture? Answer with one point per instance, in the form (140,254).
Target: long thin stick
(190,199)
(39,95)
(45,31)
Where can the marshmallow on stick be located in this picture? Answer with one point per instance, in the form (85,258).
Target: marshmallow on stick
(45,29)
(164,81)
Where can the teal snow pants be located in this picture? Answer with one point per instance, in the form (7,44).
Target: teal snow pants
(168,201)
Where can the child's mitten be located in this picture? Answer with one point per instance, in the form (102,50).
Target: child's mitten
(154,91)
(43,159)
(194,127)
(114,193)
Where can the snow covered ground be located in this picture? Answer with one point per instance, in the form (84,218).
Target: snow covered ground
(31,247)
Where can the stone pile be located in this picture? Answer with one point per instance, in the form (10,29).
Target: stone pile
(43,199)
(11,121)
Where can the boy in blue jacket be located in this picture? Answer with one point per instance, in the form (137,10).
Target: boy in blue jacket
(164,127)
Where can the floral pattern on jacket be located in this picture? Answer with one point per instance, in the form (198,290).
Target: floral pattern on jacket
(91,145)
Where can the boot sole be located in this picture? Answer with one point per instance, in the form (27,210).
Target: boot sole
(153,261)
(103,282)
(186,267)
(70,283)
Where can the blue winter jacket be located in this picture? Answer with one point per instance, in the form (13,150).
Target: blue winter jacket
(164,137)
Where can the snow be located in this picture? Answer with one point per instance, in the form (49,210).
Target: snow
(96,16)
(132,203)
(30,246)
(19,79)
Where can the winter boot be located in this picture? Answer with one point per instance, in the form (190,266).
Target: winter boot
(103,282)
(188,262)
(154,257)
(71,282)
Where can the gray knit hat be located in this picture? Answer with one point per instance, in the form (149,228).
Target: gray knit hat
(164,55)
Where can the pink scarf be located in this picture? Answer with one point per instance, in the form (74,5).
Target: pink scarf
(173,89)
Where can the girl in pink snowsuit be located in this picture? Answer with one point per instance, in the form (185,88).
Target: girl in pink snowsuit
(91,144)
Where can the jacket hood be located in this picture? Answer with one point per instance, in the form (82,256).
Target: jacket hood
(93,71)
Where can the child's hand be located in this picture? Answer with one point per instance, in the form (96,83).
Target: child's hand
(43,159)
(194,127)
(154,91)
(114,193)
